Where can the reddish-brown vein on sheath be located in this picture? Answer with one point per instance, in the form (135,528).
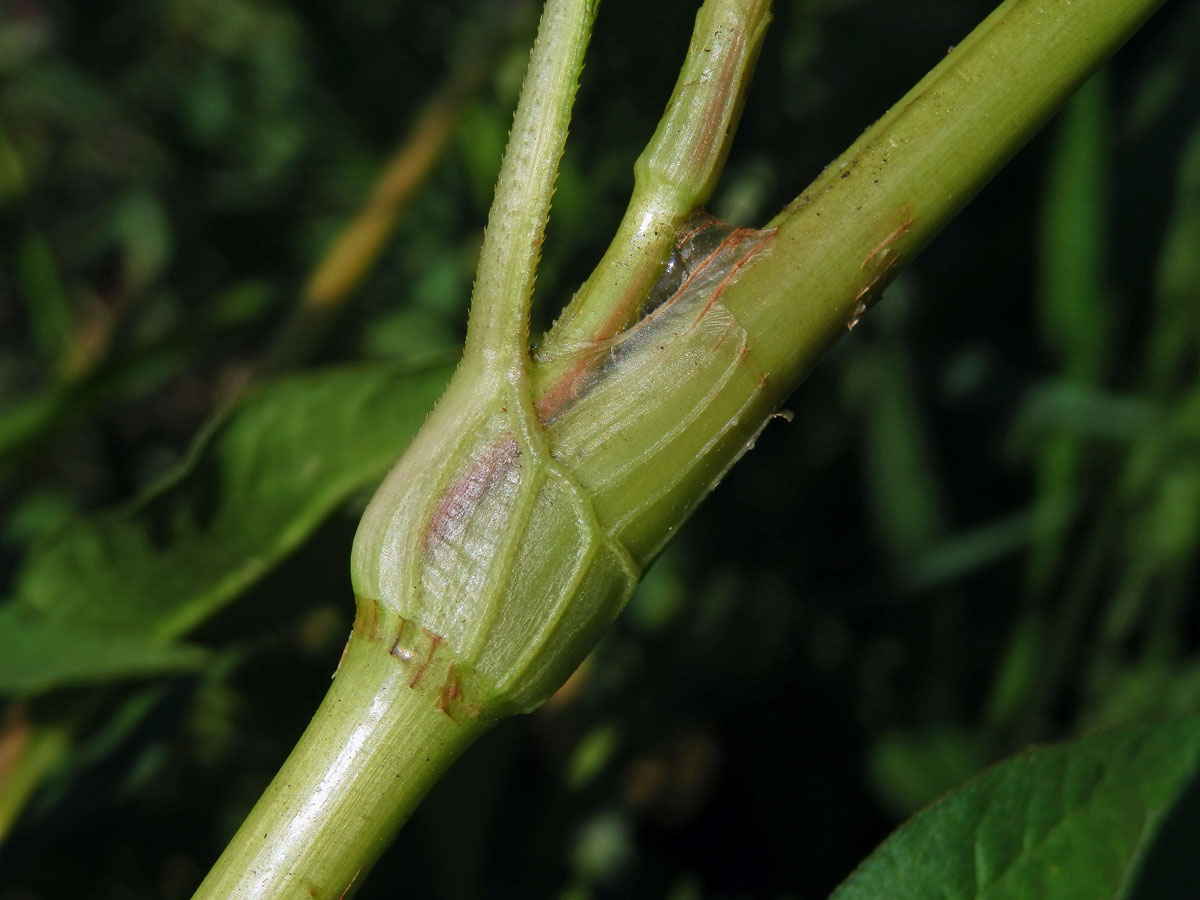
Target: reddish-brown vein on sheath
(753,252)
(457,503)
(435,640)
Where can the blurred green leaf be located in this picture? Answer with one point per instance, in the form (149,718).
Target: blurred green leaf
(1178,277)
(255,486)
(660,596)
(140,225)
(592,754)
(1018,675)
(972,550)
(1168,74)
(482,136)
(910,769)
(1082,412)
(35,515)
(1145,690)
(409,335)
(1067,821)
(603,846)
(905,490)
(29,420)
(45,300)
(24,420)
(36,655)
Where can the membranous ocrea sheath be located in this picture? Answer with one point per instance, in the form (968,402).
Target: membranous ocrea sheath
(706,251)
(707,257)
(687,359)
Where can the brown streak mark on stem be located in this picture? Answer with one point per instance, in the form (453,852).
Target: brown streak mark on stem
(708,138)
(451,691)
(564,390)
(899,232)
(878,277)
(366,623)
(867,297)
(343,894)
(736,267)
(435,640)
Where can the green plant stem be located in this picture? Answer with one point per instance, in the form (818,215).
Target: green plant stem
(498,329)
(879,203)
(377,743)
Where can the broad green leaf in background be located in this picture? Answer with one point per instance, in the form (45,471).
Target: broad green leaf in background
(1068,821)
(259,482)
(36,655)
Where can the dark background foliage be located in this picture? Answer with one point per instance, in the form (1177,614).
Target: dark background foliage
(979,531)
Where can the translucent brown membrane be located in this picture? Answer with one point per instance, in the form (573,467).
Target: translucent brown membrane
(707,257)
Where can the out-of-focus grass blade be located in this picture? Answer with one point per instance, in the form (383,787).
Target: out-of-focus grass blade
(1075,315)
(1162,89)
(1176,333)
(1162,493)
(1160,486)
(1085,411)
(904,490)
(971,550)
(12,169)
(44,299)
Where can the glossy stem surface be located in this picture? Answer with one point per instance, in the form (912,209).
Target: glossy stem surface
(380,739)
(879,203)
